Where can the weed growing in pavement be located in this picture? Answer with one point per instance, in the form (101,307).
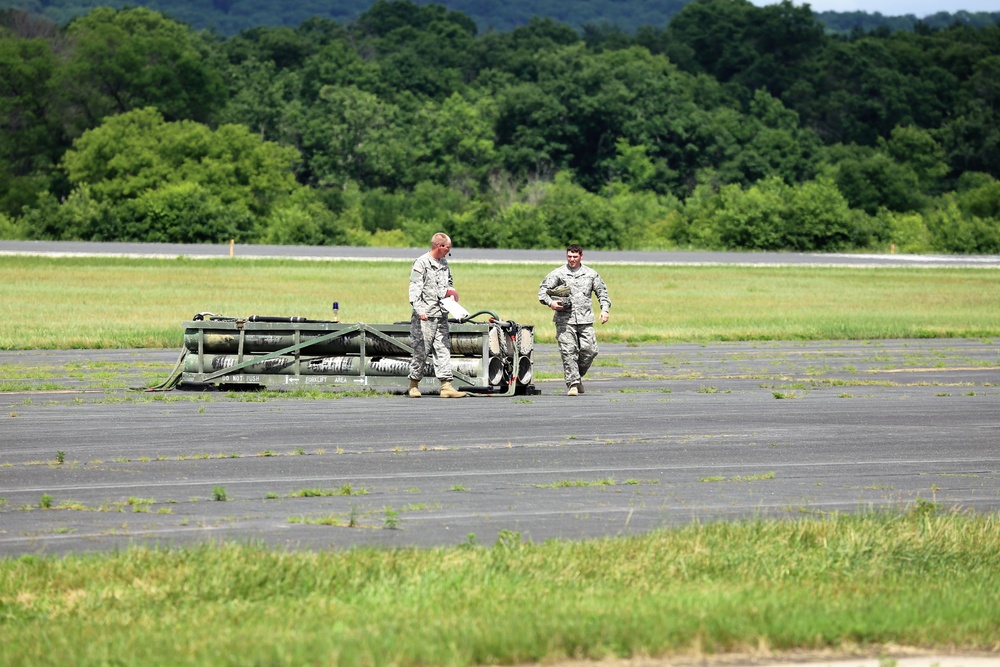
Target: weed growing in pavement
(565,483)
(739,478)
(139,504)
(325,520)
(312,493)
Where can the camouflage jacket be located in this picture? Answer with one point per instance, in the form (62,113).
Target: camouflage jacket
(582,284)
(429,280)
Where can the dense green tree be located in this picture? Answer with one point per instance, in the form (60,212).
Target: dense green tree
(351,135)
(752,219)
(283,46)
(770,215)
(421,49)
(259,96)
(575,215)
(530,129)
(154,180)
(31,136)
(971,138)
(432,62)
(855,93)
(583,103)
(919,151)
(386,16)
(456,141)
(982,201)
(954,230)
(516,52)
(134,58)
(755,47)
(871,179)
(338,64)
(302,219)
(817,217)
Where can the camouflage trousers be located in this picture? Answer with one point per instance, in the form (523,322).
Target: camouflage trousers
(431,336)
(578,347)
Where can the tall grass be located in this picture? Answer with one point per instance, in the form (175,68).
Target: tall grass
(56,303)
(842,582)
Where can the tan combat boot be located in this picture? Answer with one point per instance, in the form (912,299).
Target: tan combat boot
(447,391)
(414,392)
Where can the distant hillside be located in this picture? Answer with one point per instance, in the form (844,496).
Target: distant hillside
(228,17)
(845,22)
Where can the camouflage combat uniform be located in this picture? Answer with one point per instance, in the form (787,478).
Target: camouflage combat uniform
(575,326)
(430,279)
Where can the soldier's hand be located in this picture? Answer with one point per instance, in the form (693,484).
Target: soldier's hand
(604,318)
(556,305)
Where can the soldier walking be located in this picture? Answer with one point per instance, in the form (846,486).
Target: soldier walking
(567,290)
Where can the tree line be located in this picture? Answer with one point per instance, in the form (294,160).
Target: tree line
(230,17)
(734,126)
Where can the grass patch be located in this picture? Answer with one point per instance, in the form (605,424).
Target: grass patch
(567,483)
(88,302)
(344,490)
(919,578)
(739,478)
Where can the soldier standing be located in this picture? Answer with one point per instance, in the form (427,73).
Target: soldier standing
(567,290)
(430,283)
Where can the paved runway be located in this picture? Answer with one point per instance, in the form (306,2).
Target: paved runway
(665,435)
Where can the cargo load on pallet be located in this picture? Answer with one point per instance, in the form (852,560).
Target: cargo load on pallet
(493,357)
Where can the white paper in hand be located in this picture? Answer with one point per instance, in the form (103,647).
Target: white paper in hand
(454,308)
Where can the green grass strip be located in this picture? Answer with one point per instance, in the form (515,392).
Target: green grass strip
(65,303)
(917,578)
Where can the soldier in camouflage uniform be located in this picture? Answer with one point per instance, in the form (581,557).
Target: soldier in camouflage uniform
(430,282)
(567,290)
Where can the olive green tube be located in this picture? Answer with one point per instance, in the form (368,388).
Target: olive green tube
(256,342)
(336,365)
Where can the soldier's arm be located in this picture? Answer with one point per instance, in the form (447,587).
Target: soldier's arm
(601,290)
(417,291)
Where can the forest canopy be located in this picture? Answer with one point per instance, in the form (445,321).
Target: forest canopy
(229,17)
(732,126)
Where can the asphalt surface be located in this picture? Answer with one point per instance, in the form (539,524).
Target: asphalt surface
(664,435)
